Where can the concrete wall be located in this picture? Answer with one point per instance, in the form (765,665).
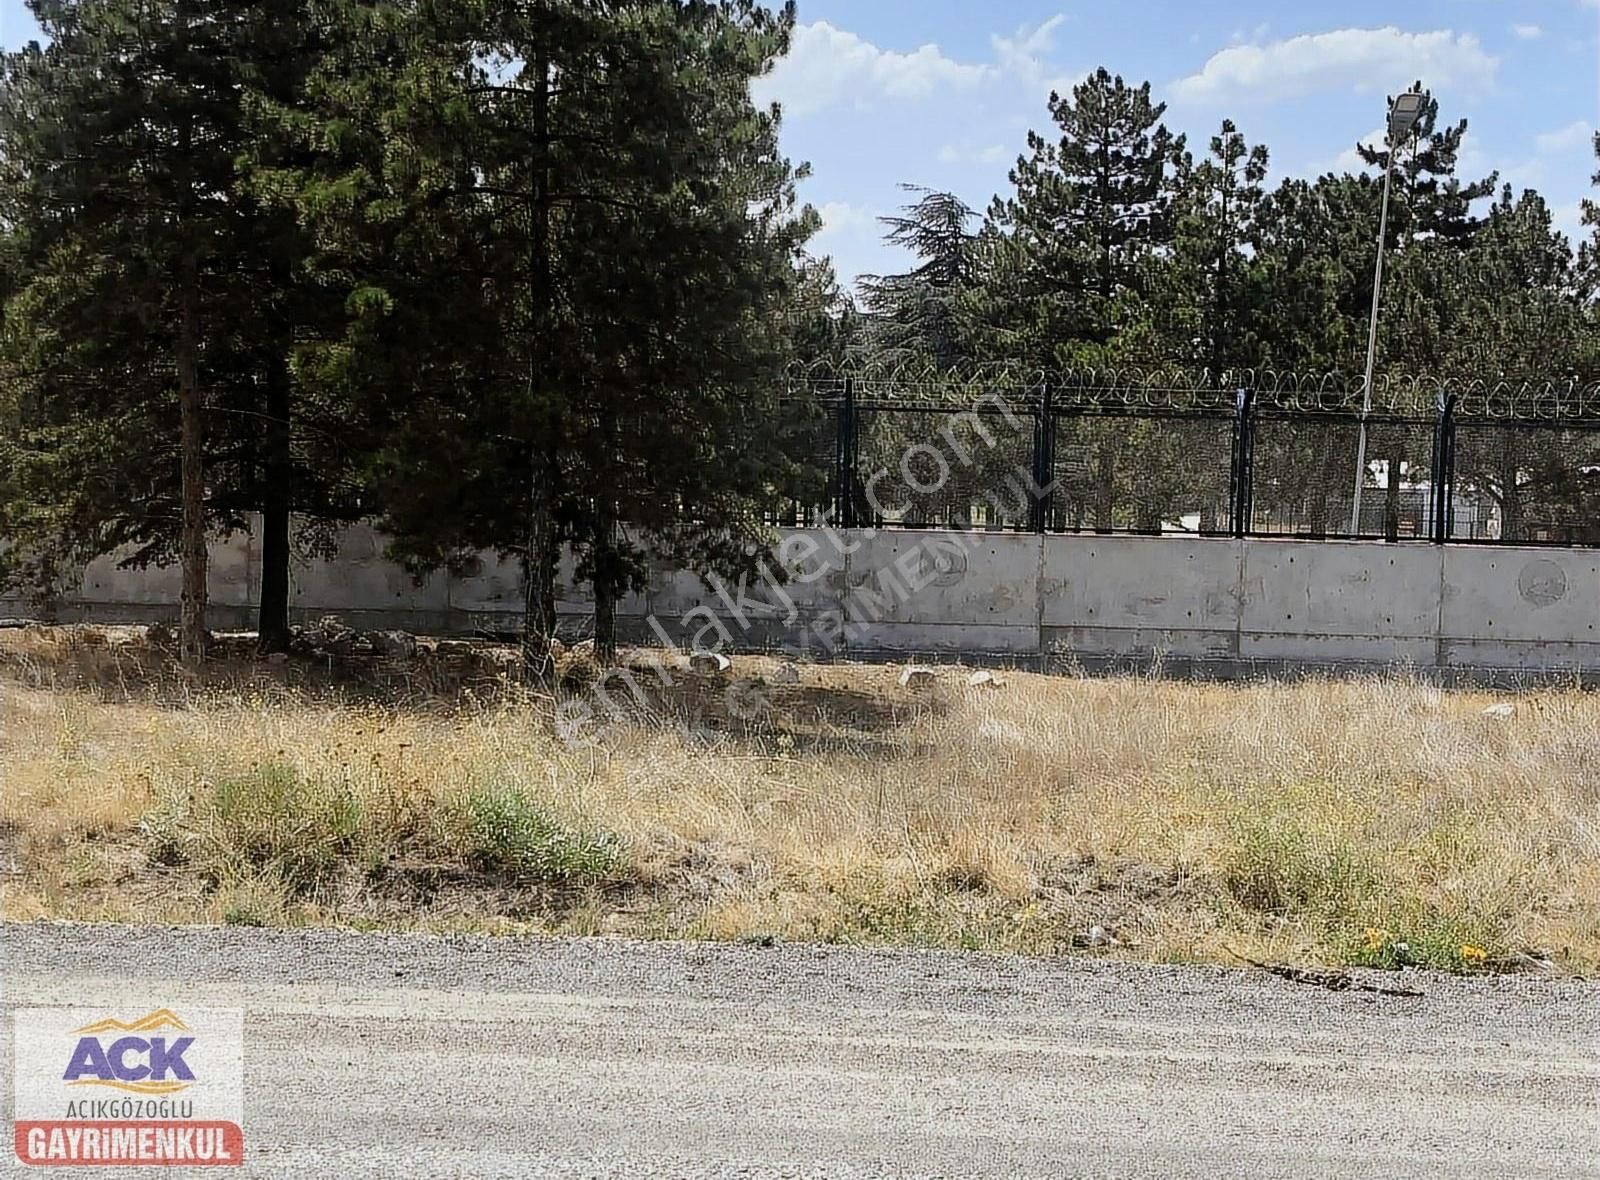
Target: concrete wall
(1210,607)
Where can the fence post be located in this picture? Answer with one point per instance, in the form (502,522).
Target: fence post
(1044,458)
(844,451)
(1242,477)
(1443,495)
(1450,468)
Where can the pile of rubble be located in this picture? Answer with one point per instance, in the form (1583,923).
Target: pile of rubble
(332,636)
(332,640)
(920,678)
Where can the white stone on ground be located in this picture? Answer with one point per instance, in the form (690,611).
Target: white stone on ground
(711,663)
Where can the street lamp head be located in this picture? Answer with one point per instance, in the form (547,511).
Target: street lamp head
(1404,113)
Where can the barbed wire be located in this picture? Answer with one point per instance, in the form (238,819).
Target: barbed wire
(1176,388)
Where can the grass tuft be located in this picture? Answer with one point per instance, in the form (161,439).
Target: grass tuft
(507,832)
(1278,866)
(270,821)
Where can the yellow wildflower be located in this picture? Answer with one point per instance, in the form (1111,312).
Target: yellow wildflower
(1473,954)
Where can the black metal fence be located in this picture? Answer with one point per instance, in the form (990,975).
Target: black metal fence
(1236,454)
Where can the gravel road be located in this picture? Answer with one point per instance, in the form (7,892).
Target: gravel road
(412,1056)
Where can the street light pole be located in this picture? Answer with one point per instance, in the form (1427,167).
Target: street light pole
(1372,353)
(1404,112)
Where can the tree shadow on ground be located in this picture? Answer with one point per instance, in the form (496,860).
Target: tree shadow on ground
(851,709)
(848,709)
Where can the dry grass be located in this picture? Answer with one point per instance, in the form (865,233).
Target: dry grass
(1371,821)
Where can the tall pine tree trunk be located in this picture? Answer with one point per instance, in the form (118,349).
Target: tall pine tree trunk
(192,556)
(539,604)
(605,619)
(1391,500)
(1105,488)
(1510,494)
(539,607)
(192,538)
(273,617)
(608,580)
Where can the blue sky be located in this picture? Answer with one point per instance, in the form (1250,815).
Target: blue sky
(942,92)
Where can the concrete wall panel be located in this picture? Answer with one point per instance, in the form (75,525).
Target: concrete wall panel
(1530,610)
(489,595)
(490,588)
(235,575)
(982,580)
(1122,596)
(1333,601)
(1139,643)
(1521,656)
(360,578)
(234,579)
(941,640)
(797,608)
(104,582)
(1521,595)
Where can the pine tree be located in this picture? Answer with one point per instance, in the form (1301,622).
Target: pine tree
(918,314)
(120,137)
(1313,255)
(568,258)
(690,439)
(1430,198)
(1210,295)
(163,291)
(1522,312)
(291,436)
(1093,204)
(1522,320)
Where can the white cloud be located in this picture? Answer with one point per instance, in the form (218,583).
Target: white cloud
(840,218)
(1350,159)
(1523,174)
(1568,218)
(997,153)
(1472,162)
(1527,32)
(1023,54)
(1361,60)
(827,65)
(1573,137)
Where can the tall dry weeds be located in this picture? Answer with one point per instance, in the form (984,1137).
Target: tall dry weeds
(1373,821)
